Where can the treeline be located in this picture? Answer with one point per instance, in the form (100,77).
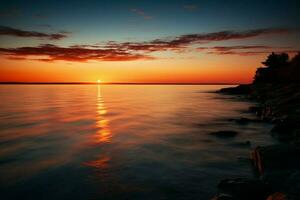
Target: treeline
(279,68)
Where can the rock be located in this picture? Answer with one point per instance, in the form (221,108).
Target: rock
(224,134)
(241,89)
(242,189)
(258,110)
(244,121)
(284,180)
(276,157)
(285,129)
(277,196)
(224,197)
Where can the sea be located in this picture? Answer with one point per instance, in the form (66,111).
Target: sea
(122,142)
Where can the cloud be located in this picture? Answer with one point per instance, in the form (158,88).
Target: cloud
(239,47)
(129,51)
(251,53)
(5,30)
(141,13)
(49,52)
(182,42)
(244,50)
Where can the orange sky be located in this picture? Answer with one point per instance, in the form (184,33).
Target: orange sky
(208,69)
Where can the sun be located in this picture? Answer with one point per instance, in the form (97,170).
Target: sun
(98,81)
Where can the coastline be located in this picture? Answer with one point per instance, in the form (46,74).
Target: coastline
(277,166)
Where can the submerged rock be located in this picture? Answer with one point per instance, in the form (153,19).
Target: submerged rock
(224,134)
(242,189)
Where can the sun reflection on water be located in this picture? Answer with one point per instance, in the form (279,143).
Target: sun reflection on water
(103,134)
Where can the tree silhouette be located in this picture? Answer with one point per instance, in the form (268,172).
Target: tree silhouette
(278,68)
(276,60)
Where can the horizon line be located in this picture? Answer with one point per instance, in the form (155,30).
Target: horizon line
(114,83)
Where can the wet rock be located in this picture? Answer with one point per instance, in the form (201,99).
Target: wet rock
(286,129)
(287,181)
(224,134)
(224,197)
(276,157)
(241,89)
(292,185)
(277,196)
(258,110)
(242,189)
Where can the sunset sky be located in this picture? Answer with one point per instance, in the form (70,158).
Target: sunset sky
(143,41)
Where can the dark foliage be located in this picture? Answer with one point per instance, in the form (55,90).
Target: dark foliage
(278,68)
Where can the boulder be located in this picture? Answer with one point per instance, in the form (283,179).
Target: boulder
(224,134)
(277,196)
(276,157)
(242,189)
(286,129)
(258,110)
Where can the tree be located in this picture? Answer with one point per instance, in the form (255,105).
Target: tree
(279,69)
(276,60)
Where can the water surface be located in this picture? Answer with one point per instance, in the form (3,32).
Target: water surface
(121,141)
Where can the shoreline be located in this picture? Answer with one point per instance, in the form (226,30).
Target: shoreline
(277,166)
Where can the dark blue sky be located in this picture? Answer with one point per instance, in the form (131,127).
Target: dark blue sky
(96,21)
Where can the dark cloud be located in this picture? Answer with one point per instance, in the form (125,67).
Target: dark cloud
(5,30)
(183,41)
(50,52)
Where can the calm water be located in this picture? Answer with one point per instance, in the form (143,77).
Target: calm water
(120,141)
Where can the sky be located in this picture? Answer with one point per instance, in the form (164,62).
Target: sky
(140,41)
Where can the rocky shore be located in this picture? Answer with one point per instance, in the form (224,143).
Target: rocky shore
(277,166)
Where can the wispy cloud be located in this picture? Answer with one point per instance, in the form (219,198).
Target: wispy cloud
(183,41)
(129,51)
(244,50)
(5,30)
(141,13)
(49,53)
